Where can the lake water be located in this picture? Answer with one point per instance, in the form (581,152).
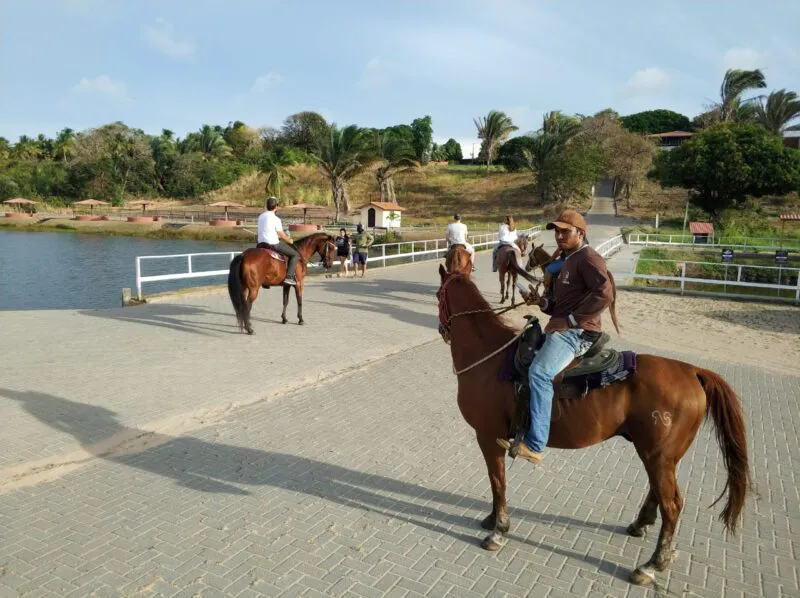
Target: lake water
(45,270)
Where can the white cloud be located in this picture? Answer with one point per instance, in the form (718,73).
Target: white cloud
(743,58)
(377,73)
(102,85)
(263,82)
(646,81)
(161,38)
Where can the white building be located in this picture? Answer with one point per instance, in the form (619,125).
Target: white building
(380,214)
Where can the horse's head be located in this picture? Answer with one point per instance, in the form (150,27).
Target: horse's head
(326,247)
(443,296)
(537,258)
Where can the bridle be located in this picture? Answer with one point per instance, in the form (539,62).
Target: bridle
(445,317)
(324,250)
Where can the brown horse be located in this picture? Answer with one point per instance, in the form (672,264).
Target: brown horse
(458,259)
(254,267)
(659,409)
(539,258)
(506,257)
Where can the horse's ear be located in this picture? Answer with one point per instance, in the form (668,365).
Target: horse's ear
(442,272)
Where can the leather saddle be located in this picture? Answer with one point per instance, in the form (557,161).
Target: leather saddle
(271,252)
(595,360)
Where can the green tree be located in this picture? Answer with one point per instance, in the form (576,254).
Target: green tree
(542,155)
(340,155)
(275,166)
(422,138)
(656,121)
(64,146)
(303,130)
(452,150)
(493,130)
(724,164)
(778,111)
(241,139)
(394,155)
(209,142)
(731,107)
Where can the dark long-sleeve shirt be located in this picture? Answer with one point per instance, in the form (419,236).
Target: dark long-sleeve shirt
(582,289)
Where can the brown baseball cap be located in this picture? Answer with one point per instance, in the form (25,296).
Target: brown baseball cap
(568,219)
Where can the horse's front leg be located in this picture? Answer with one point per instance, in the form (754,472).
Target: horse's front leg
(298,295)
(285,303)
(498,520)
(502,287)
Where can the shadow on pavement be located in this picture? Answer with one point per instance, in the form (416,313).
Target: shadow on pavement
(205,466)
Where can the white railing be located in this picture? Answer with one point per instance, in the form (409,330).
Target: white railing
(419,249)
(610,246)
(734,242)
(725,283)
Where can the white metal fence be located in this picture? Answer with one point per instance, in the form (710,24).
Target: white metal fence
(732,242)
(610,246)
(406,250)
(735,277)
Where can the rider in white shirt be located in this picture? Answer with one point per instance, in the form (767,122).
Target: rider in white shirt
(271,236)
(457,235)
(507,235)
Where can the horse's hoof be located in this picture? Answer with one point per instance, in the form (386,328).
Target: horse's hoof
(636,532)
(489,522)
(300,322)
(494,542)
(643,576)
(250,331)
(284,321)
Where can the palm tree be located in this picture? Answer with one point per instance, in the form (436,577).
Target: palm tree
(64,145)
(493,129)
(734,84)
(276,167)
(780,108)
(340,155)
(209,142)
(395,156)
(547,144)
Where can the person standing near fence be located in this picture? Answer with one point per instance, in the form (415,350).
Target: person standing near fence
(362,241)
(343,249)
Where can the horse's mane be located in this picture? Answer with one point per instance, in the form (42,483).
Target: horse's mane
(471,289)
(312,238)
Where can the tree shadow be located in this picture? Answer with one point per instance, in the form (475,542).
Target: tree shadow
(166,315)
(210,467)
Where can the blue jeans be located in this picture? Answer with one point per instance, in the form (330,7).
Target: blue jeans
(559,349)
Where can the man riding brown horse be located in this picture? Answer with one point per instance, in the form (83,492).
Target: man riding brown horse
(271,236)
(580,293)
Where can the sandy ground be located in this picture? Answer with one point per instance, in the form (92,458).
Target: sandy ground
(747,333)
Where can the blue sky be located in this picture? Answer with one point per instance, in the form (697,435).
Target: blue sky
(178,64)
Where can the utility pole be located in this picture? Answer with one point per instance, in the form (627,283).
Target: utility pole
(685,217)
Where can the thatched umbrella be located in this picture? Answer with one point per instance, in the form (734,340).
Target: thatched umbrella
(305,207)
(91,203)
(226,205)
(20,201)
(143,203)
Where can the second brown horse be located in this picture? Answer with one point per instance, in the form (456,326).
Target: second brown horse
(255,267)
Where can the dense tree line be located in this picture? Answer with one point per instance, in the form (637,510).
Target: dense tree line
(736,153)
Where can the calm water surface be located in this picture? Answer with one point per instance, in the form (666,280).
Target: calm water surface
(45,270)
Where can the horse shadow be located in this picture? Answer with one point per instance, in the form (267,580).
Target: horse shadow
(211,467)
(166,315)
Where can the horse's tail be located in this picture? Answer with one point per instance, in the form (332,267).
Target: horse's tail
(612,309)
(236,291)
(726,411)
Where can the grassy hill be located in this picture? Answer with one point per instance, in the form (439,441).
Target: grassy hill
(431,194)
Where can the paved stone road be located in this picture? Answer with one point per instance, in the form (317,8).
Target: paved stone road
(157,452)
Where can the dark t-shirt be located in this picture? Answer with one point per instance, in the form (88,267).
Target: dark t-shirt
(582,289)
(342,245)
